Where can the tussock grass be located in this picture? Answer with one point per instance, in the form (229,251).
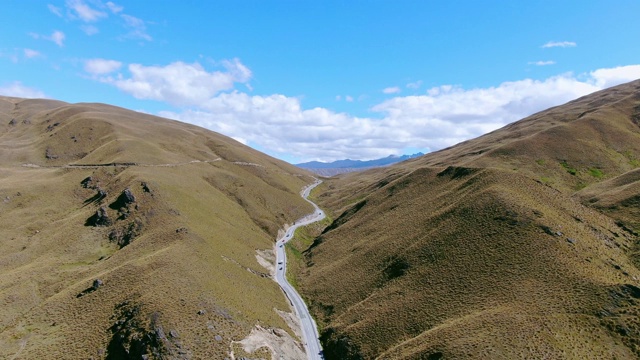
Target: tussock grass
(455,255)
(191,268)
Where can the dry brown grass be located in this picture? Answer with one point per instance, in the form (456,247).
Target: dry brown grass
(482,250)
(201,226)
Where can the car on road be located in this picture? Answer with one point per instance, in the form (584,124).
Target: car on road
(280,268)
(279,262)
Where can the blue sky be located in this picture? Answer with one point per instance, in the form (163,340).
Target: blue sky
(322,80)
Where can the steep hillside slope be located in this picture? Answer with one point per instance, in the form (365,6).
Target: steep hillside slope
(483,250)
(125,234)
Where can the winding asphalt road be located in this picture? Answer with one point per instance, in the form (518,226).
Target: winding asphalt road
(308,325)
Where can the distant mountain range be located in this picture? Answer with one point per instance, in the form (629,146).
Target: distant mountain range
(348,165)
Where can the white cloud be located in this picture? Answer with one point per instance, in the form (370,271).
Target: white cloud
(93,11)
(16,89)
(101,66)
(89,29)
(414,85)
(55,10)
(391,90)
(604,78)
(348,98)
(56,36)
(563,44)
(79,9)
(237,70)
(30,54)
(137,27)
(12,56)
(437,90)
(542,63)
(280,125)
(132,21)
(476,111)
(180,83)
(114,8)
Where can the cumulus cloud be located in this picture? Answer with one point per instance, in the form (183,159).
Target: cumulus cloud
(444,116)
(16,89)
(391,90)
(101,66)
(542,63)
(261,119)
(280,125)
(81,10)
(563,44)
(180,83)
(604,78)
(348,98)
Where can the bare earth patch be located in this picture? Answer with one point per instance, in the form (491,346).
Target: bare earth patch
(279,342)
(292,320)
(267,258)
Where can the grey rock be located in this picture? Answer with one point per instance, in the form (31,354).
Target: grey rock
(123,201)
(218,338)
(97,283)
(50,155)
(160,333)
(128,196)
(101,194)
(87,182)
(100,218)
(145,187)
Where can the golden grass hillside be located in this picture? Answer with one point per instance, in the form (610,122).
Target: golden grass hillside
(126,234)
(485,250)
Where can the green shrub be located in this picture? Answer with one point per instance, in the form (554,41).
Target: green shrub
(596,173)
(571,170)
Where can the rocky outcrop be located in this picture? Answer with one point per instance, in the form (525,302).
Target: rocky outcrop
(124,204)
(97,283)
(100,218)
(124,235)
(131,339)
